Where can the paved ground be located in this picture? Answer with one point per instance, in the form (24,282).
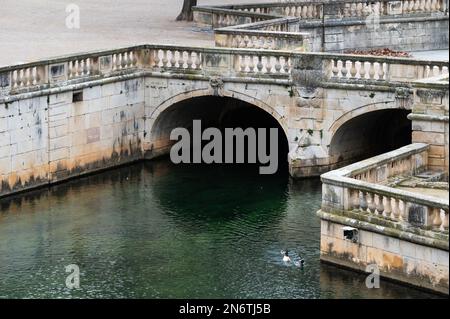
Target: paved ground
(35,29)
(437,55)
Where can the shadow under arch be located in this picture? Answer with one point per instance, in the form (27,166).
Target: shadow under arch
(229,110)
(225,198)
(368,134)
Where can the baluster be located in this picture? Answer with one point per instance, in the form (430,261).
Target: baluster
(363,202)
(380,71)
(72,69)
(277,65)
(310,13)
(422,5)
(380,204)
(372,70)
(438,5)
(181,59)
(251,64)
(259,65)
(395,209)
(69,70)
(198,60)
(155,61)
(387,207)
(436,217)
(444,218)
(124,61)
(269,65)
(86,67)
(403,211)
(286,66)
(417,5)
(242,63)
(362,70)
(173,59)
(371,203)
(165,60)
(16,78)
(118,61)
(25,77)
(80,68)
(304,12)
(189,62)
(359,9)
(344,70)
(334,68)
(353,9)
(34,76)
(413,6)
(355,199)
(353,70)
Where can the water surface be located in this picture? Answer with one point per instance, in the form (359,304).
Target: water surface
(155,230)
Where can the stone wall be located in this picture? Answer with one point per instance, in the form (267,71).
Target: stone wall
(397,259)
(430,123)
(400,34)
(50,138)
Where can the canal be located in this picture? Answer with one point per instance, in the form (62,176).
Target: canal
(155,230)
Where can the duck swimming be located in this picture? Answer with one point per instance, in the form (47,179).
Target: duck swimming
(299,263)
(297,260)
(286,257)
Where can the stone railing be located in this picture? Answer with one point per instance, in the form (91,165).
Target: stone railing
(169,60)
(219,17)
(310,16)
(313,10)
(357,68)
(358,189)
(277,34)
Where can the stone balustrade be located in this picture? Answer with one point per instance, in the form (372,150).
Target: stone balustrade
(263,40)
(358,68)
(327,22)
(276,34)
(219,17)
(343,8)
(307,10)
(358,189)
(185,61)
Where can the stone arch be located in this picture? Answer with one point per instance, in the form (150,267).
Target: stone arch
(183,96)
(156,114)
(367,131)
(360,111)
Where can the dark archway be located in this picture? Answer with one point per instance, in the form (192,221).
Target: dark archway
(213,111)
(370,134)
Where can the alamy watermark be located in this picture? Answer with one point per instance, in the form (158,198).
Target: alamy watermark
(73,279)
(73,16)
(373,279)
(233,144)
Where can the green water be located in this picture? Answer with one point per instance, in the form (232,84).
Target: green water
(154,230)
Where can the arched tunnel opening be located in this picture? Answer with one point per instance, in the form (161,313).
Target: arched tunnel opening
(221,113)
(370,134)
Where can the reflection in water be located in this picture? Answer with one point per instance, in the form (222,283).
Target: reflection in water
(154,230)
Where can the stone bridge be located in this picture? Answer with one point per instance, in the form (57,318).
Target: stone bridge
(71,115)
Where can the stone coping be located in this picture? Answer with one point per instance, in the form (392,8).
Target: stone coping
(342,177)
(389,228)
(213,50)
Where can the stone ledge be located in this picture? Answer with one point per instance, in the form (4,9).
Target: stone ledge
(394,229)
